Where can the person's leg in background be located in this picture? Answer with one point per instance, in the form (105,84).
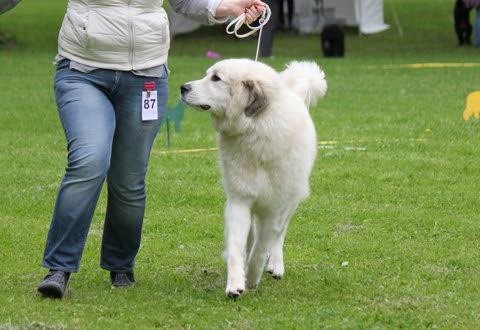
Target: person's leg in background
(268,32)
(476,33)
(283,24)
(281,16)
(131,148)
(291,12)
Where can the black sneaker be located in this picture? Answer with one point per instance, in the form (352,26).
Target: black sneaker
(122,280)
(54,284)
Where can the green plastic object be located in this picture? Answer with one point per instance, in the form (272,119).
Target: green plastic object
(174,115)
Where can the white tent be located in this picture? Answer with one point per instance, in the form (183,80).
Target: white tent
(312,15)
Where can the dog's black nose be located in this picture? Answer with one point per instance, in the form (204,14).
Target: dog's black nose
(185,88)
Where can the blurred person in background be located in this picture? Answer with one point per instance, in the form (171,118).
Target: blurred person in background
(476,26)
(463,28)
(268,33)
(287,24)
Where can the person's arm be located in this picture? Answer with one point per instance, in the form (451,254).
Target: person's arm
(252,8)
(6,5)
(217,11)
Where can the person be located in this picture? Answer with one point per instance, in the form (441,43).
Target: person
(111,88)
(463,28)
(268,33)
(476,26)
(286,25)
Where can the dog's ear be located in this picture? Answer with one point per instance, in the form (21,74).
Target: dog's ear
(256,100)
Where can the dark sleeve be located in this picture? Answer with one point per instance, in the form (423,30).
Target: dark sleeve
(201,11)
(6,5)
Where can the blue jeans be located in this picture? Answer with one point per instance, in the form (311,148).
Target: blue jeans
(101,115)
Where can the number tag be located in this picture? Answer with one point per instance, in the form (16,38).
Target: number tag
(149,105)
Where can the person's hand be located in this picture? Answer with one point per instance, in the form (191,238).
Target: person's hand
(252,8)
(253,12)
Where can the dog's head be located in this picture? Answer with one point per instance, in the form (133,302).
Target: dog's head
(234,91)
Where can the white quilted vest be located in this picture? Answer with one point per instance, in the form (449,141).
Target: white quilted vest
(119,35)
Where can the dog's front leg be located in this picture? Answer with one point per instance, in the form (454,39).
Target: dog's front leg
(237,227)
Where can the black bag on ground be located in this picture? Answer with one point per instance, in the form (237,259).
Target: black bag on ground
(333,41)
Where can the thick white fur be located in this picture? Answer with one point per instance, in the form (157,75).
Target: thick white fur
(267,146)
(311,87)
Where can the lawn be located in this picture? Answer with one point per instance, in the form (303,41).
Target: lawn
(389,238)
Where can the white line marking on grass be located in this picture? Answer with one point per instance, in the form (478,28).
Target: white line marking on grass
(346,148)
(321,145)
(185,151)
(332,145)
(424,66)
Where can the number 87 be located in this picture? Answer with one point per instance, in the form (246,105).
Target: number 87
(147,105)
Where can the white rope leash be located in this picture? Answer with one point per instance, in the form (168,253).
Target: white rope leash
(240,20)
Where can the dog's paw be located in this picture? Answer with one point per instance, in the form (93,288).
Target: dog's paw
(234,294)
(253,285)
(275,268)
(254,275)
(275,275)
(235,287)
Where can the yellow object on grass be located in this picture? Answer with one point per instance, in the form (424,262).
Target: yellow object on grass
(473,106)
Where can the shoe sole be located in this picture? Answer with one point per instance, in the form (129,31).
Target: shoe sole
(124,286)
(51,291)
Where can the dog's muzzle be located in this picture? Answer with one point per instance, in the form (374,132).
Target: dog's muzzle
(184,89)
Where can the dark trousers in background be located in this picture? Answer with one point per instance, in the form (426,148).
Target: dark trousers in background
(286,25)
(268,32)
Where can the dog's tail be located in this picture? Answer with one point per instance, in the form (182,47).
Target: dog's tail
(305,79)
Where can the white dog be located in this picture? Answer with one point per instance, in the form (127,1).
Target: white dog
(267,146)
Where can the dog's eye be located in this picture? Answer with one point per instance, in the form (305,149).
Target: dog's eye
(215,78)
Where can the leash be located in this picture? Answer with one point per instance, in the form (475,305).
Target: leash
(234,26)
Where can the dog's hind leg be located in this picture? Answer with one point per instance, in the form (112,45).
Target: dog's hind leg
(270,232)
(251,235)
(258,254)
(275,265)
(237,227)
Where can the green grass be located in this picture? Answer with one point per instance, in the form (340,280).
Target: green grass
(404,212)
